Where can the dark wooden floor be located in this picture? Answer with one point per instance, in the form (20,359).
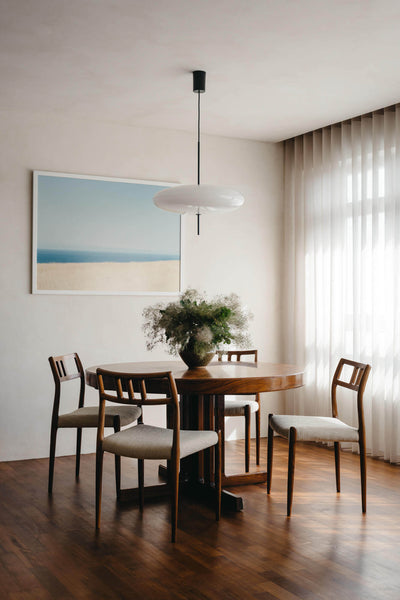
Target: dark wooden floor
(326,550)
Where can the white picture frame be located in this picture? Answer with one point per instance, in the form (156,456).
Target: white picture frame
(103,235)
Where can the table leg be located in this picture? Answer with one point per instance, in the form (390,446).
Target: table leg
(201,412)
(200,417)
(197,475)
(239,478)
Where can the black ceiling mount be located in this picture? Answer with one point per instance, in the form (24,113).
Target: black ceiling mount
(199,81)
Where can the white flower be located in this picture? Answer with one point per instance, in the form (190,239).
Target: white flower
(204,335)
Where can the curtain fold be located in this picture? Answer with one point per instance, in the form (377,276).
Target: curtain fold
(342,251)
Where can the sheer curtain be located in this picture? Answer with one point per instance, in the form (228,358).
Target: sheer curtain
(342,251)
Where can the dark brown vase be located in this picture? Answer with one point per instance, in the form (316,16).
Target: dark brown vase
(193,360)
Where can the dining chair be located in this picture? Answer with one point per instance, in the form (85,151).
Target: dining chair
(147,442)
(242,408)
(324,429)
(66,368)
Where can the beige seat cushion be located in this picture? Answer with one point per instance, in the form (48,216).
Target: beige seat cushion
(314,429)
(148,442)
(236,408)
(88,416)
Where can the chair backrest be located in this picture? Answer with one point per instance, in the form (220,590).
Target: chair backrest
(131,388)
(237,354)
(357,379)
(60,367)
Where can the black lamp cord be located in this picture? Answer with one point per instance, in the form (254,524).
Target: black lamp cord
(198,156)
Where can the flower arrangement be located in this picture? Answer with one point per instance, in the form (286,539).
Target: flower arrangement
(195,327)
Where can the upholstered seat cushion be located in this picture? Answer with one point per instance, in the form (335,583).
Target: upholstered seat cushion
(236,408)
(88,416)
(148,442)
(314,429)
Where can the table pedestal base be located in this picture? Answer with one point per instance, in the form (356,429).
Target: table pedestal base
(151,492)
(197,490)
(205,492)
(244,478)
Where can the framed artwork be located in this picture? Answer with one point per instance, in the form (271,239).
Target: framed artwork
(101,235)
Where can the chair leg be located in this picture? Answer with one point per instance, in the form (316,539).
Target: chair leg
(258,434)
(337,465)
(141,483)
(247,415)
(78,451)
(99,479)
(52,454)
(218,475)
(117,459)
(363,472)
(219,422)
(223,445)
(175,463)
(292,443)
(270,454)
(209,423)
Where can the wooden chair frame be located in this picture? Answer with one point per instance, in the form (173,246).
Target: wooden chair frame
(61,374)
(247,413)
(125,386)
(357,383)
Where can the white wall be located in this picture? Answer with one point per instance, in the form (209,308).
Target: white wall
(239,252)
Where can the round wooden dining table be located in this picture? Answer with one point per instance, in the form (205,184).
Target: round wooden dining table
(202,391)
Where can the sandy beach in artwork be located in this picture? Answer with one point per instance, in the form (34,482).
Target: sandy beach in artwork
(151,276)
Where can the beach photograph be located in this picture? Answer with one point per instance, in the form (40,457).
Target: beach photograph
(103,235)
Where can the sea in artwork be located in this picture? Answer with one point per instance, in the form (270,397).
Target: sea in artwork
(45,255)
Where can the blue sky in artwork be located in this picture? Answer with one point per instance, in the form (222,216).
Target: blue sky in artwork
(93,214)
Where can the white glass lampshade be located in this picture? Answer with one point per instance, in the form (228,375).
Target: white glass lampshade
(198,199)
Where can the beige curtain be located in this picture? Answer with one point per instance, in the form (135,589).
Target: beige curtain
(342,245)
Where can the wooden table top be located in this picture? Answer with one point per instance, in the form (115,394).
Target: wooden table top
(217,378)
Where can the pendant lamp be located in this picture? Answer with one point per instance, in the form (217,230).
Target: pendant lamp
(199,198)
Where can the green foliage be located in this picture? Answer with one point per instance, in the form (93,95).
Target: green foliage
(193,323)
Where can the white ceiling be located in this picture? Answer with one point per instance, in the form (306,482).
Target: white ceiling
(275,68)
